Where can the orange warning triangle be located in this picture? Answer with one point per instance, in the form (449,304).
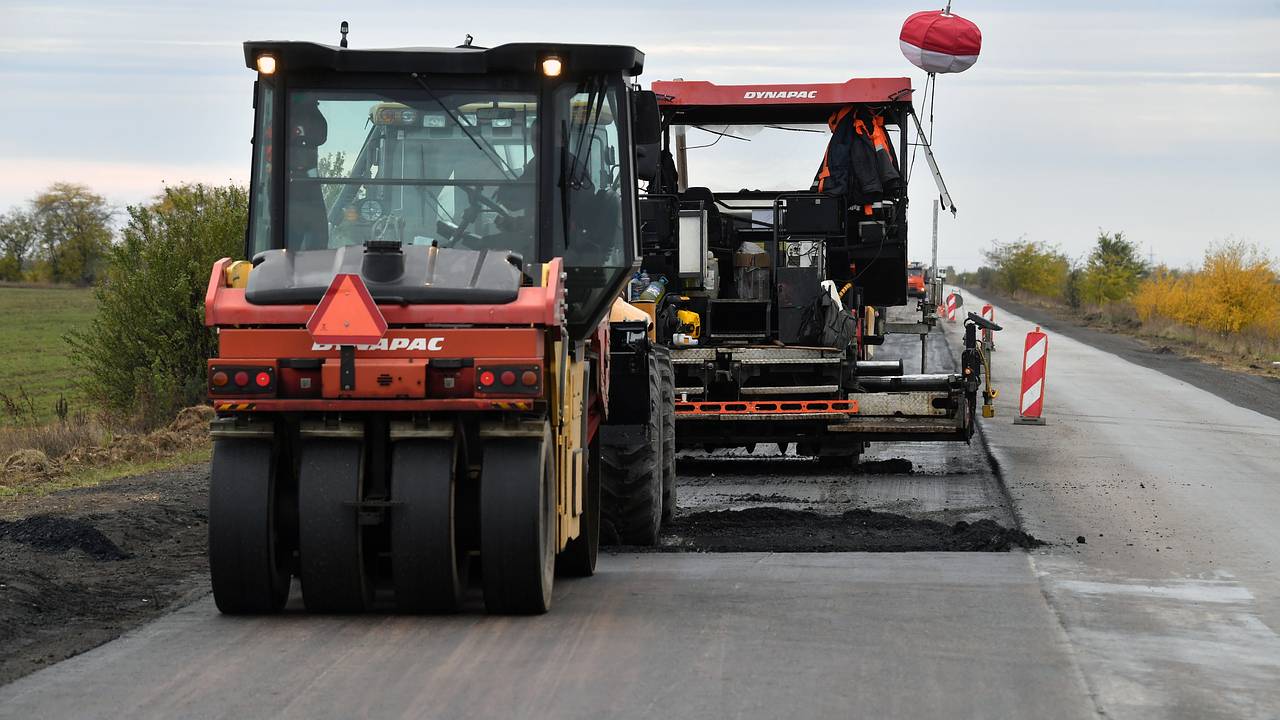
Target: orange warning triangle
(347,315)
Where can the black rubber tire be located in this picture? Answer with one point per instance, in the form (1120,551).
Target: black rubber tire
(330,547)
(667,376)
(631,477)
(518,524)
(247,567)
(428,564)
(578,559)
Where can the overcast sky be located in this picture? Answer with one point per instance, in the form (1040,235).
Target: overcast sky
(1160,119)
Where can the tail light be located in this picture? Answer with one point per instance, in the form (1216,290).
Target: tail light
(234,380)
(509,380)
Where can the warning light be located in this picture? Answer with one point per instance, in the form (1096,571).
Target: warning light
(242,378)
(529,378)
(347,315)
(486,378)
(219,379)
(263,379)
(508,378)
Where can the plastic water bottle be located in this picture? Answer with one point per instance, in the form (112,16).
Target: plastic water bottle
(639,281)
(655,290)
(642,284)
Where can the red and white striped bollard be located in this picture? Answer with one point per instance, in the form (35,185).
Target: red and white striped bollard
(1035,357)
(988,338)
(951,307)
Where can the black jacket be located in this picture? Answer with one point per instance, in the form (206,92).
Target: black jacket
(850,167)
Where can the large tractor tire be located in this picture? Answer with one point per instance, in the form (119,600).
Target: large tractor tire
(330,547)
(428,563)
(631,481)
(248,563)
(518,524)
(668,377)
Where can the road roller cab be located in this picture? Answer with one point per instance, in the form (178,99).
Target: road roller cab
(412,365)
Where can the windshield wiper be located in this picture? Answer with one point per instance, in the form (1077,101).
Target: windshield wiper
(486,148)
(570,162)
(594,95)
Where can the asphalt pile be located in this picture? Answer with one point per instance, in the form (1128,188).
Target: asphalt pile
(59,534)
(771,529)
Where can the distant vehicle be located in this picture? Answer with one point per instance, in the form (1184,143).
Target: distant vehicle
(915,279)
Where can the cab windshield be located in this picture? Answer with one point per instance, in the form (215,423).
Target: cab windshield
(417,168)
(458,167)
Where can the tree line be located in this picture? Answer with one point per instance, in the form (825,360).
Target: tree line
(1111,271)
(62,235)
(1233,291)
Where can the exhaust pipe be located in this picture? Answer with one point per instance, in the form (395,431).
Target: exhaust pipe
(908,382)
(879,367)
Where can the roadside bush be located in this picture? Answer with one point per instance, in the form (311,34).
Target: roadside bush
(1027,267)
(1236,289)
(1112,271)
(1230,304)
(145,351)
(1164,294)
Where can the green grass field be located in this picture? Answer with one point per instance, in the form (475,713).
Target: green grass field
(33,354)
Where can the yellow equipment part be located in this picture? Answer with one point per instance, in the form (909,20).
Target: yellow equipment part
(567,390)
(870,329)
(237,274)
(691,320)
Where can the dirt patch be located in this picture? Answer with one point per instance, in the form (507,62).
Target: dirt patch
(772,529)
(80,567)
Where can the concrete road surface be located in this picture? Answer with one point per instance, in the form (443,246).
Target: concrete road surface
(652,636)
(1169,609)
(1172,605)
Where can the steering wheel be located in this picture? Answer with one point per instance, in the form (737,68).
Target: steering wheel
(477,201)
(479,198)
